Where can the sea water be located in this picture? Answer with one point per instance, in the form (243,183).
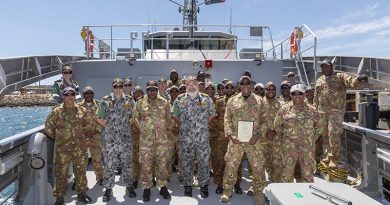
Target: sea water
(14,120)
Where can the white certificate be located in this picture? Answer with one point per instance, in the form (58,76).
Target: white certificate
(244,131)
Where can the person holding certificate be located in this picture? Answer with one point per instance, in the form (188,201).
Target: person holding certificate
(245,124)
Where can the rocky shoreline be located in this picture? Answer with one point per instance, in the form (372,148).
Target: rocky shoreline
(27,100)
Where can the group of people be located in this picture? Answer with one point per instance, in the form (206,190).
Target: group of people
(212,126)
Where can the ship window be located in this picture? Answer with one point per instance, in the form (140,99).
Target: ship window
(206,44)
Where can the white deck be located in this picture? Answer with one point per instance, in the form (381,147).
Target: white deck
(175,188)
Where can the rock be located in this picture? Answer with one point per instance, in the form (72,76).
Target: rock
(27,100)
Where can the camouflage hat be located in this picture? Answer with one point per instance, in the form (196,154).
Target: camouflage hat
(298,87)
(247,73)
(66,67)
(229,82)
(151,84)
(68,89)
(326,62)
(173,87)
(191,78)
(209,83)
(88,88)
(174,71)
(244,77)
(285,82)
(117,81)
(259,85)
(290,74)
(182,86)
(200,82)
(201,73)
(137,87)
(225,80)
(309,88)
(127,80)
(270,83)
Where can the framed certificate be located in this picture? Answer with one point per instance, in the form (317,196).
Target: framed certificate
(244,130)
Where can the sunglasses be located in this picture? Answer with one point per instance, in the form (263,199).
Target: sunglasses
(89,93)
(297,94)
(285,88)
(174,91)
(128,85)
(117,87)
(70,94)
(67,72)
(246,84)
(201,76)
(152,90)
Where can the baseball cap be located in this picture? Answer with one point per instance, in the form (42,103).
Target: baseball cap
(298,87)
(117,81)
(151,84)
(259,85)
(326,62)
(68,89)
(88,88)
(290,74)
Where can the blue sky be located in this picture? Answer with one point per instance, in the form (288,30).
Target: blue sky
(47,27)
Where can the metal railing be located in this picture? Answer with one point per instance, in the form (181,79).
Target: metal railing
(132,36)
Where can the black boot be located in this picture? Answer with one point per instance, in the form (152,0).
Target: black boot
(165,193)
(74,185)
(59,201)
(219,190)
(135,184)
(83,197)
(119,171)
(154,182)
(204,191)
(237,188)
(146,195)
(130,192)
(100,182)
(107,195)
(188,191)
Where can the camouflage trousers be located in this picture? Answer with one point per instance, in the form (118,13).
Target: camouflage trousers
(233,160)
(153,157)
(64,155)
(277,162)
(333,131)
(195,150)
(135,157)
(319,149)
(171,149)
(116,152)
(298,158)
(95,148)
(268,160)
(218,151)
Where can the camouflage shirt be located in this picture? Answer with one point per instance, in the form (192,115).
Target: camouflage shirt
(302,126)
(67,126)
(331,91)
(272,106)
(283,101)
(240,109)
(91,109)
(117,113)
(153,117)
(60,85)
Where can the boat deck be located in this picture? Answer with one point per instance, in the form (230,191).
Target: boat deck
(174,186)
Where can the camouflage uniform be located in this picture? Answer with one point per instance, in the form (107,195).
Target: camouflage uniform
(272,153)
(220,145)
(67,128)
(178,82)
(117,137)
(93,136)
(240,109)
(297,129)
(283,101)
(194,134)
(135,134)
(330,98)
(153,117)
(173,146)
(60,85)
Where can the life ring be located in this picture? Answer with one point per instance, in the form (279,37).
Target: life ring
(88,45)
(293,44)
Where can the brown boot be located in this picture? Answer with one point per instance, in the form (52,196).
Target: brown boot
(259,199)
(225,198)
(250,192)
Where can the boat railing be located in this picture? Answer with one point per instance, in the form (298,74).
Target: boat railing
(111,41)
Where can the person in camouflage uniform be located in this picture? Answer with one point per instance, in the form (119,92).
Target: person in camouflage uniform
(114,114)
(137,94)
(152,116)
(309,94)
(174,79)
(93,135)
(127,87)
(248,107)
(220,90)
(173,135)
(330,98)
(162,88)
(202,87)
(219,147)
(272,152)
(182,89)
(259,89)
(66,81)
(193,110)
(285,97)
(66,124)
(297,125)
